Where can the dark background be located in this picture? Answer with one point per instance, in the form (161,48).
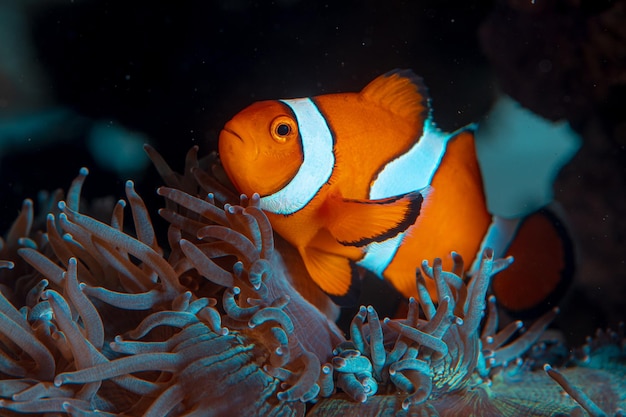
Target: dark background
(177,72)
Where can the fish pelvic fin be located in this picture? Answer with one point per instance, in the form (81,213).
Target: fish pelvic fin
(335,273)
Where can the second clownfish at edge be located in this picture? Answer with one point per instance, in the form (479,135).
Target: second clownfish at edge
(366,180)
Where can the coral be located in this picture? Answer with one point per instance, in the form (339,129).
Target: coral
(113,324)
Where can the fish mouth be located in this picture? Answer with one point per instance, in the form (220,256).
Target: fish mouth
(232,133)
(231,140)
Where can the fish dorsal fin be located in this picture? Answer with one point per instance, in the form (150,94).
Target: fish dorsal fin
(401,92)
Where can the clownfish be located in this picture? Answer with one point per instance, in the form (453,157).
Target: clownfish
(366,180)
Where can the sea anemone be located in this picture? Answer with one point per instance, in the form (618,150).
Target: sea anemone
(98,319)
(445,366)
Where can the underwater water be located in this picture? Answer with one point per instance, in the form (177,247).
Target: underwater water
(87,83)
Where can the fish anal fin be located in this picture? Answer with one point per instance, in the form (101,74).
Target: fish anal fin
(360,222)
(401,92)
(543,269)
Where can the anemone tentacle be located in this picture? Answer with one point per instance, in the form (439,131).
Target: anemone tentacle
(99,322)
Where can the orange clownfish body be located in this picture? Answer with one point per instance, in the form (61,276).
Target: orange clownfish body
(365,179)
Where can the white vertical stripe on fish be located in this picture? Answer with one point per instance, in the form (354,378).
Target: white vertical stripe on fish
(414,169)
(498,237)
(317,164)
(379,255)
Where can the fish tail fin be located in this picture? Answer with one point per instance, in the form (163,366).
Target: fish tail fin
(544,267)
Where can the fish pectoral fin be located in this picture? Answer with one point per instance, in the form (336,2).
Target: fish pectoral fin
(360,222)
(332,272)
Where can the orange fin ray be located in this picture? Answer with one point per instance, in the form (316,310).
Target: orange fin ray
(332,272)
(360,222)
(400,92)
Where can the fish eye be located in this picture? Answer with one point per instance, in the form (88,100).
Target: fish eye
(283,128)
